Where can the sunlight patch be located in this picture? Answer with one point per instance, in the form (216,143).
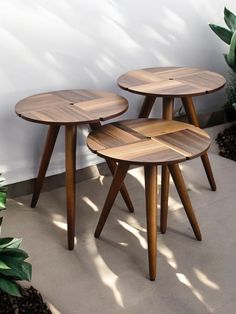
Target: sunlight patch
(135,232)
(205,280)
(90,203)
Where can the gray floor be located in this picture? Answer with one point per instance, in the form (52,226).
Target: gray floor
(110,275)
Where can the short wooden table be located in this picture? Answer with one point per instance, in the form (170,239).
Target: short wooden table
(169,83)
(149,142)
(70,108)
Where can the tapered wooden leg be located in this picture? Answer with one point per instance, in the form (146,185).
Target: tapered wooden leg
(151,212)
(165,186)
(147,106)
(117,181)
(45,159)
(192,116)
(123,190)
(180,186)
(208,170)
(70,151)
(167,113)
(112,166)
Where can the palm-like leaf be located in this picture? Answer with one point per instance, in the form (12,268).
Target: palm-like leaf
(222,32)
(231,57)
(230,19)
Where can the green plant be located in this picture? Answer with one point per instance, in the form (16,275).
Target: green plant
(12,259)
(228,35)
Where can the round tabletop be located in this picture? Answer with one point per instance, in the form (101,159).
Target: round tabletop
(171,81)
(76,106)
(149,141)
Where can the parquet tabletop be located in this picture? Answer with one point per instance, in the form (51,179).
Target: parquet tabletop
(149,141)
(71,107)
(171,81)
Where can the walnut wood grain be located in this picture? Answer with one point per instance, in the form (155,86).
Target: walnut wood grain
(70,141)
(112,166)
(45,159)
(171,81)
(183,194)
(192,116)
(117,181)
(149,141)
(167,114)
(151,214)
(71,107)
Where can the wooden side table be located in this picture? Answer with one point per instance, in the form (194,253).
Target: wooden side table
(149,142)
(70,108)
(169,83)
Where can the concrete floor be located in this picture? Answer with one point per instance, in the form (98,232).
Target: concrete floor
(110,275)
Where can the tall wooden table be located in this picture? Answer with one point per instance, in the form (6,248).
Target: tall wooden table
(170,83)
(70,108)
(149,142)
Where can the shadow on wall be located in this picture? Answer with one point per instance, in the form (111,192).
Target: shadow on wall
(76,44)
(72,42)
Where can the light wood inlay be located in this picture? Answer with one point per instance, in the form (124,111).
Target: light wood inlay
(71,107)
(149,141)
(172,81)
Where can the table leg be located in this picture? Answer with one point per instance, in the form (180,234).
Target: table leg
(192,116)
(112,166)
(183,194)
(45,159)
(167,114)
(70,152)
(151,213)
(117,181)
(147,106)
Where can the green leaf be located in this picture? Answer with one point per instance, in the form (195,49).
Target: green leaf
(13,243)
(232,50)
(222,32)
(13,254)
(3,199)
(230,19)
(20,271)
(10,287)
(3,265)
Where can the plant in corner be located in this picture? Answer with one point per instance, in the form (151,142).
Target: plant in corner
(228,35)
(13,268)
(12,259)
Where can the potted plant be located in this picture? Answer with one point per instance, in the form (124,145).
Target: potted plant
(14,268)
(228,35)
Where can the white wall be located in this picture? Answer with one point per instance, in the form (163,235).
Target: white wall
(55,44)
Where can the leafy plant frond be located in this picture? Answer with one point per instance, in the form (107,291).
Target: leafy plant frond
(20,271)
(13,243)
(230,19)
(3,193)
(10,287)
(222,32)
(231,55)
(12,259)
